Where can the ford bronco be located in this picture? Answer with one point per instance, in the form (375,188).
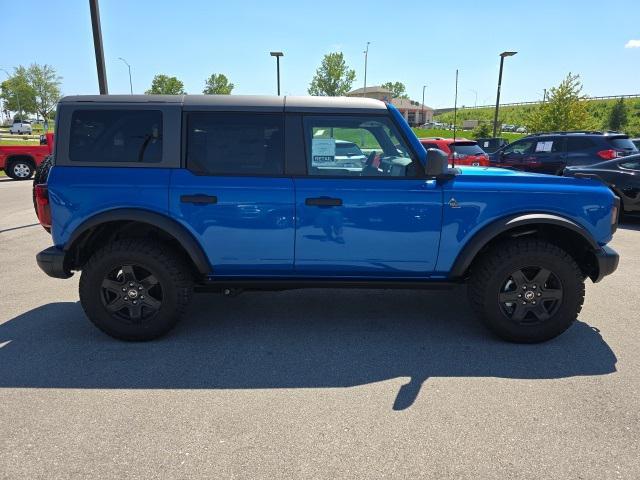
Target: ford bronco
(153,197)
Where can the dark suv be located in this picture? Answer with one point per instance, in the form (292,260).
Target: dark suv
(552,152)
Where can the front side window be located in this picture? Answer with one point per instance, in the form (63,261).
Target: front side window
(116,136)
(233,143)
(377,150)
(631,165)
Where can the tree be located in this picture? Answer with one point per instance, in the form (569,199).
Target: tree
(483,130)
(564,110)
(217,84)
(398,90)
(46,86)
(166,85)
(333,77)
(617,118)
(18,95)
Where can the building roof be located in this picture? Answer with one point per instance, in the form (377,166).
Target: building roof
(407,104)
(371,89)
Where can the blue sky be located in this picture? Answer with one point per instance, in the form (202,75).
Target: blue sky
(416,42)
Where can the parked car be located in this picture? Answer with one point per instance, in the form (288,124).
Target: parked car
(152,196)
(347,155)
(621,175)
(19,128)
(551,153)
(521,130)
(492,144)
(460,152)
(20,161)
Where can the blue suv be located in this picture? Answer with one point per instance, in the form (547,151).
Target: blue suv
(155,197)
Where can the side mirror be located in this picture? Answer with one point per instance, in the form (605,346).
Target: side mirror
(437,163)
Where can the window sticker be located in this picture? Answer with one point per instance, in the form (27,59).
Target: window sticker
(486,144)
(544,146)
(323,150)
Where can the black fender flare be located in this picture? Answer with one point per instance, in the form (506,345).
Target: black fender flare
(497,227)
(162,222)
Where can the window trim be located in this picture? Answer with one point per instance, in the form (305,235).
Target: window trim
(185,138)
(420,172)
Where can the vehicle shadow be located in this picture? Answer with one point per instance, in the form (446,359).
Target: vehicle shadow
(630,222)
(295,339)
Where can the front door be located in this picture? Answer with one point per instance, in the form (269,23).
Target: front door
(368,215)
(233,196)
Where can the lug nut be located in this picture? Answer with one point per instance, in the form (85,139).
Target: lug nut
(141,297)
(124,289)
(534,302)
(524,303)
(519,296)
(134,302)
(534,287)
(539,294)
(131,284)
(524,287)
(140,287)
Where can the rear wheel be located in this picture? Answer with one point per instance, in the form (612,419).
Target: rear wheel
(527,291)
(135,289)
(20,169)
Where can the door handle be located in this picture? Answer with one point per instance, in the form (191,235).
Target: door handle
(323,202)
(199,199)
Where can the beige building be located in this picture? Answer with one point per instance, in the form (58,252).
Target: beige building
(413,112)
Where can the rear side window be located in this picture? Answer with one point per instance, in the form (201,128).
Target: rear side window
(235,143)
(622,143)
(116,136)
(576,144)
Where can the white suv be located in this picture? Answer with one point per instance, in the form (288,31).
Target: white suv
(20,128)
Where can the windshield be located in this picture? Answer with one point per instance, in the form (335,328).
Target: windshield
(466,149)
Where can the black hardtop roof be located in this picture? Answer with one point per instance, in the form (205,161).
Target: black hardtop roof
(239,102)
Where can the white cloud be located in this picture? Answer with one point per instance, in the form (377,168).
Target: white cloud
(632,44)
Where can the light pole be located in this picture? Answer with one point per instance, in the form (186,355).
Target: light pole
(97,46)
(475,104)
(17,94)
(495,116)
(366,57)
(129,67)
(422,107)
(277,55)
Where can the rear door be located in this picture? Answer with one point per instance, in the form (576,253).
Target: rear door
(380,221)
(581,151)
(232,194)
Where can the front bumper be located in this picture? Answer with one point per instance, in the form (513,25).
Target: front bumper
(51,262)
(607,262)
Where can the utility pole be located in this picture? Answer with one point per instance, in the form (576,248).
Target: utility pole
(366,56)
(97,45)
(495,117)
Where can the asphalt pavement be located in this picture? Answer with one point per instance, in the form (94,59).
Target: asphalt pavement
(311,384)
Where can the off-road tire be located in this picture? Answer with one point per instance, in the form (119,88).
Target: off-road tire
(490,272)
(40,176)
(172,274)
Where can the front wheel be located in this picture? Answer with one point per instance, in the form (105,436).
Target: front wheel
(527,291)
(135,289)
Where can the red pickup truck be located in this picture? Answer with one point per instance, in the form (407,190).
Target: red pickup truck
(20,161)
